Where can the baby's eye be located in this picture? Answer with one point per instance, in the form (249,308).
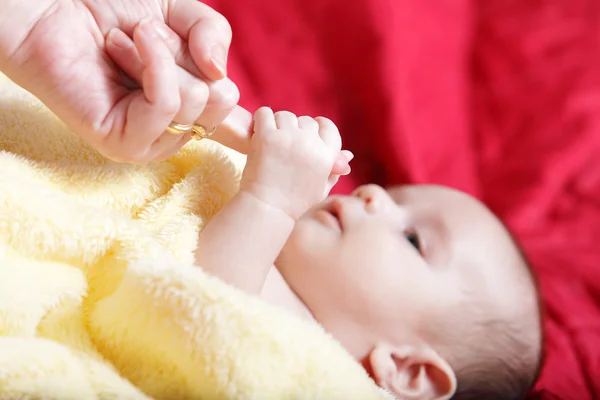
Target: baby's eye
(413,239)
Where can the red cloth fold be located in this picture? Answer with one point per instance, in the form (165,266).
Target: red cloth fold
(499,98)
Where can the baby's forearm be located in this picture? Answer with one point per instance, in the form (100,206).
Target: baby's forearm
(240,244)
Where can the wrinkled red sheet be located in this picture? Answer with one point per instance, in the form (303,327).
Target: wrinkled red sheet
(500,98)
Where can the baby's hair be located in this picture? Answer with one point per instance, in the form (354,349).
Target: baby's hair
(511,376)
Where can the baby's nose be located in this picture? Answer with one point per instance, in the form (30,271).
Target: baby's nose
(374,196)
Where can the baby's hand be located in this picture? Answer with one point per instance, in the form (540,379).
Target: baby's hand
(291,160)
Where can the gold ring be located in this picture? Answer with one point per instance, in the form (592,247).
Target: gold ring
(179,129)
(199,132)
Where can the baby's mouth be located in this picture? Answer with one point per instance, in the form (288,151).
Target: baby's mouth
(330,216)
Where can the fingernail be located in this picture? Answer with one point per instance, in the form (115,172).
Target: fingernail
(154,28)
(218,57)
(118,38)
(349,155)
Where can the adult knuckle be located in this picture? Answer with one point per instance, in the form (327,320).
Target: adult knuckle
(225,93)
(171,105)
(234,95)
(231,96)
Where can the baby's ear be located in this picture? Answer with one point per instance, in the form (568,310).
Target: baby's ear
(412,373)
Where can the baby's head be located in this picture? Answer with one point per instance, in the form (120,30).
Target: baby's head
(424,286)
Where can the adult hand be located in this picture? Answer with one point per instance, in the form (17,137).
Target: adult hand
(57,49)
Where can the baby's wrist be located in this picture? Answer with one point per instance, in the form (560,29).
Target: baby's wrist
(271,199)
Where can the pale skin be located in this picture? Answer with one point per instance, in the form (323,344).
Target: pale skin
(118,72)
(121,100)
(303,151)
(375,269)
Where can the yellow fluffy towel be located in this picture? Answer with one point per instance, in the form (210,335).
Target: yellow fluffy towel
(99,294)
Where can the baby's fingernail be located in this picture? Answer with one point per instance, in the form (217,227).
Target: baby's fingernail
(154,28)
(118,38)
(218,57)
(349,155)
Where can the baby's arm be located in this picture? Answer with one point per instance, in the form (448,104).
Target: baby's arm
(288,171)
(241,242)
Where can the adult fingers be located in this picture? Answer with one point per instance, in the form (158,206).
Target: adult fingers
(222,98)
(207,33)
(236,130)
(167,145)
(205,104)
(193,92)
(150,111)
(120,48)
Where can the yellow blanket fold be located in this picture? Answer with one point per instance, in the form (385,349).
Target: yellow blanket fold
(99,296)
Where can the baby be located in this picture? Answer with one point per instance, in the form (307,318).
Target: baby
(421,284)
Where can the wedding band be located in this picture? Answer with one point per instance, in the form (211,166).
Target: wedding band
(199,132)
(179,129)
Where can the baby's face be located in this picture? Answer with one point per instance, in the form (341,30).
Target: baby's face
(383,266)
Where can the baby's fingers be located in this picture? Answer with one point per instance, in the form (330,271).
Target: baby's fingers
(331,182)
(348,155)
(264,119)
(331,137)
(341,165)
(329,133)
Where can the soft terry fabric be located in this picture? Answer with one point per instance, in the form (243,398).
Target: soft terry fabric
(500,98)
(99,297)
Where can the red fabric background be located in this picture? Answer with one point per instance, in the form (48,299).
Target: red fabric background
(500,98)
